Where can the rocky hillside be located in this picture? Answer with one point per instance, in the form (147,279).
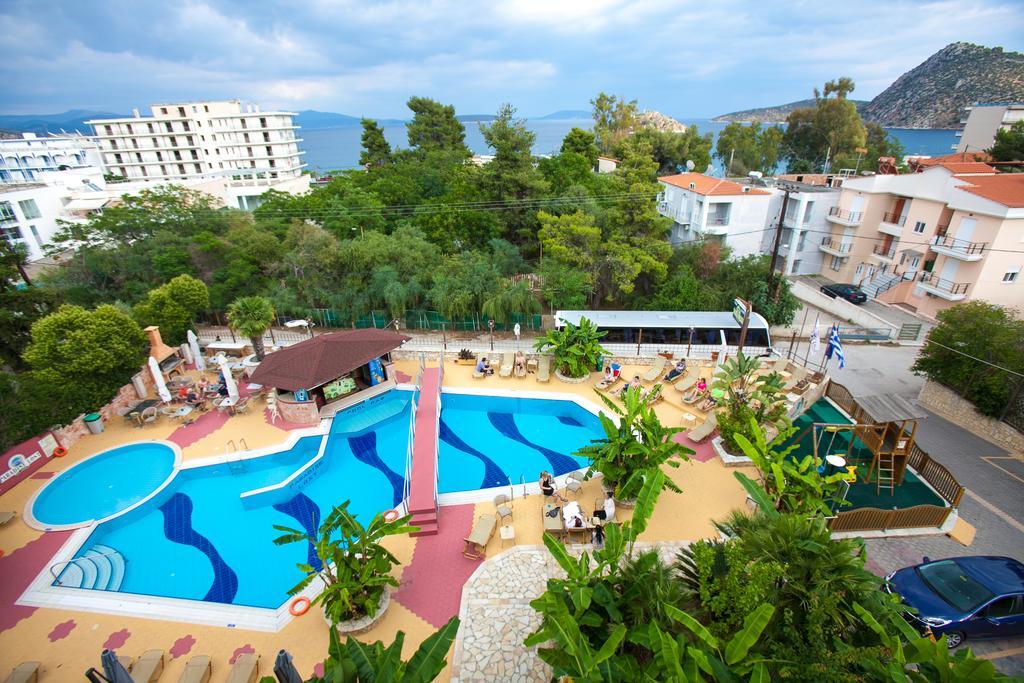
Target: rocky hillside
(658,121)
(773,114)
(933,94)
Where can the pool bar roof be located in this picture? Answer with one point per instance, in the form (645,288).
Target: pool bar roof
(659,319)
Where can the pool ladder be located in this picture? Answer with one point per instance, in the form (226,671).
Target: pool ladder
(236,465)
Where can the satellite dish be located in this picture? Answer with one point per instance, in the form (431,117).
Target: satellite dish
(690,165)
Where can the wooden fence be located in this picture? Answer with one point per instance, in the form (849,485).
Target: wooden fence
(937,476)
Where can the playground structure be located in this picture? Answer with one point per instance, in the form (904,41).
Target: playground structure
(886,426)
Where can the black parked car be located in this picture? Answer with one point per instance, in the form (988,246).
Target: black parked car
(851,293)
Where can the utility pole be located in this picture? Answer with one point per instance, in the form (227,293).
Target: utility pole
(775,249)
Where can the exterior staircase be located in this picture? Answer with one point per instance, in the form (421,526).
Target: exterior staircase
(98,568)
(884,280)
(423,484)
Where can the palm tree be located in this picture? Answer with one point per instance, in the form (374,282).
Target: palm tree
(250,316)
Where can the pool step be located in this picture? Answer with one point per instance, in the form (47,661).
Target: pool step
(98,568)
(367,417)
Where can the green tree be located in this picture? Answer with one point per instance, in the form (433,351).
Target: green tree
(880,144)
(831,130)
(969,331)
(573,240)
(748,401)
(172,307)
(562,286)
(434,128)
(671,150)
(511,177)
(85,356)
(463,283)
(1009,144)
(20,305)
(614,119)
(511,300)
(250,316)
(376,150)
(582,142)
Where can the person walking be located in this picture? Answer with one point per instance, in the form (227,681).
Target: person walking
(515,330)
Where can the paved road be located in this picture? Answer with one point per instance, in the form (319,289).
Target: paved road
(993,504)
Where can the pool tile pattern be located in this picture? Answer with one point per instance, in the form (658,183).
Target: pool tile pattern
(177,513)
(303,510)
(493,475)
(569,420)
(506,424)
(364,446)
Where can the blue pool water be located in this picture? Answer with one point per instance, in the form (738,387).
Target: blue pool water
(486,441)
(104,484)
(200,538)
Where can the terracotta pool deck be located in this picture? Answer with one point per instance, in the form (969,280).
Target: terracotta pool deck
(432,572)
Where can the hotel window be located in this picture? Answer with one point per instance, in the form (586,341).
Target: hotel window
(11,232)
(35,233)
(181,112)
(919,227)
(163,110)
(150,127)
(29,208)
(181,169)
(168,126)
(1010,276)
(263,123)
(110,131)
(7,212)
(800,242)
(835,263)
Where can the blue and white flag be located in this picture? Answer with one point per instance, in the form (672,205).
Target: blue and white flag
(815,338)
(835,347)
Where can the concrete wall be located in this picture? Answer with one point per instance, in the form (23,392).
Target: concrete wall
(840,308)
(962,413)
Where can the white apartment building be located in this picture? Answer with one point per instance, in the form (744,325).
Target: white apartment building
(702,208)
(23,159)
(803,225)
(256,150)
(981,123)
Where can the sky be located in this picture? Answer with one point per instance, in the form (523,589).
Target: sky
(686,59)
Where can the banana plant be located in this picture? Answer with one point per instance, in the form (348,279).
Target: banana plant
(577,348)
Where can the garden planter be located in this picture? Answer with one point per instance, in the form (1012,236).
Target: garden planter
(571,380)
(727,458)
(465,361)
(363,624)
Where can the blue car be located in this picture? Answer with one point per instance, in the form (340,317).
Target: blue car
(963,597)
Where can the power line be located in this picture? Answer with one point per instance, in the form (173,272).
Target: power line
(980,360)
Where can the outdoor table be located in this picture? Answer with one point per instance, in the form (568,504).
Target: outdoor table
(553,525)
(834,463)
(182,412)
(531,365)
(235,348)
(507,533)
(229,403)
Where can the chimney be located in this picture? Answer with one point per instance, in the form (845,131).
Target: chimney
(157,348)
(135,113)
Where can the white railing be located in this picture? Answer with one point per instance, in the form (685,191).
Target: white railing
(412,435)
(437,432)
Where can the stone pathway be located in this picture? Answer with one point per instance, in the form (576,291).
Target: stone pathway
(496,615)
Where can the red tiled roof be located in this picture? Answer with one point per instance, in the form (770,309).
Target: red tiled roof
(324,358)
(1006,188)
(969,167)
(956,158)
(706,185)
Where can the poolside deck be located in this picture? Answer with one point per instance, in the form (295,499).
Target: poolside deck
(432,574)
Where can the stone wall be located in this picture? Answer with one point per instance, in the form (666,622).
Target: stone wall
(961,412)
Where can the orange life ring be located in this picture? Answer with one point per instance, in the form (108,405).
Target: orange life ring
(299,606)
(390,515)
(60,452)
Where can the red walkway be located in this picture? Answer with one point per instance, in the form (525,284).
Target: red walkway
(18,570)
(432,583)
(424,456)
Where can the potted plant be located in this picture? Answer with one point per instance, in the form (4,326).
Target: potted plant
(746,399)
(576,348)
(354,568)
(466,357)
(635,443)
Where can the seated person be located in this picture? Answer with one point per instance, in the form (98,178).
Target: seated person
(572,516)
(696,392)
(677,371)
(202,385)
(709,403)
(483,368)
(222,390)
(195,400)
(608,510)
(607,379)
(547,486)
(520,364)
(634,384)
(183,392)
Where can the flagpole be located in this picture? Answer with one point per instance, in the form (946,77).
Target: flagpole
(796,354)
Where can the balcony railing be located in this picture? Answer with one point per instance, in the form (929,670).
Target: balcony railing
(830,244)
(894,218)
(718,220)
(961,248)
(885,251)
(941,229)
(845,215)
(933,281)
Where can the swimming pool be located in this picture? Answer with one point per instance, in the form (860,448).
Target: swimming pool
(104,484)
(208,534)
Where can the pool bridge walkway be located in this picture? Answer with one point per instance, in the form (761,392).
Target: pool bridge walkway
(423,479)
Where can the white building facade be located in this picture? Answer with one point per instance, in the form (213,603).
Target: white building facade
(804,225)
(257,151)
(981,123)
(706,208)
(23,159)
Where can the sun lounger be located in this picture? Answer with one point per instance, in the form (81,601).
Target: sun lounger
(603,384)
(476,542)
(148,667)
(544,369)
(507,361)
(656,370)
(7,517)
(553,525)
(521,369)
(704,430)
(654,396)
(685,384)
(26,672)
(198,670)
(246,669)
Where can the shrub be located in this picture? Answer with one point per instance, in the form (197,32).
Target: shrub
(577,348)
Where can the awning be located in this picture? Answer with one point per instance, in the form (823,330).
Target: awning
(86,204)
(889,408)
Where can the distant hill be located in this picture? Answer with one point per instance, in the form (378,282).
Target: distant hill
(70,121)
(566,115)
(775,114)
(475,118)
(931,95)
(934,93)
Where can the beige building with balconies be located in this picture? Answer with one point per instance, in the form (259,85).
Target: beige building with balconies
(257,150)
(928,240)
